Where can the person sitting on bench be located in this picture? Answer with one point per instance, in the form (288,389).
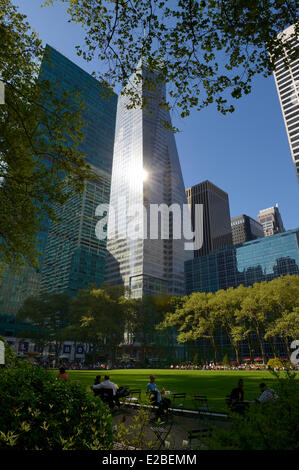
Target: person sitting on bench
(156,396)
(107,384)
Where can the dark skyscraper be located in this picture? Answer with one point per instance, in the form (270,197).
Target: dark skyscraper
(73,256)
(216,225)
(244,229)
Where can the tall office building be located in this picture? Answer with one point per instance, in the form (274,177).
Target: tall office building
(271,221)
(146,171)
(244,229)
(287,83)
(216,226)
(73,257)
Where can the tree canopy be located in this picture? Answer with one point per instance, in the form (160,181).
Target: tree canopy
(40,128)
(265,311)
(48,315)
(206,51)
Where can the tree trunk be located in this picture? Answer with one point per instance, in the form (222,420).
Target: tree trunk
(260,340)
(285,340)
(237,352)
(213,343)
(249,346)
(272,346)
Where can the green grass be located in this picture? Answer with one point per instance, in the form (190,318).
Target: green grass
(214,384)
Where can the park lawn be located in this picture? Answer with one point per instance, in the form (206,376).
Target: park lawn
(214,384)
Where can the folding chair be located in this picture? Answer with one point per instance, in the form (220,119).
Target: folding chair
(198,434)
(201,402)
(161,427)
(134,396)
(178,399)
(135,392)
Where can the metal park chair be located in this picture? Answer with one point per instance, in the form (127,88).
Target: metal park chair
(178,399)
(198,434)
(161,426)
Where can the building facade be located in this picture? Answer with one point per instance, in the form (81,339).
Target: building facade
(146,174)
(271,221)
(244,229)
(260,260)
(73,256)
(216,227)
(287,84)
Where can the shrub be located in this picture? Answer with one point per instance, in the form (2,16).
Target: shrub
(40,412)
(275,362)
(271,425)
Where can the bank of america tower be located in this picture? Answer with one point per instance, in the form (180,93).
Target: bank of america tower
(146,172)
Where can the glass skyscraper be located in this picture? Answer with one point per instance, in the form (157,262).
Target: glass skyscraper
(255,261)
(146,171)
(73,256)
(287,84)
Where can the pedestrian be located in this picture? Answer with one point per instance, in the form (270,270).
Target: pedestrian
(62,374)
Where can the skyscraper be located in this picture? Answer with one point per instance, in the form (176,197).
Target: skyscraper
(216,225)
(73,256)
(271,221)
(146,171)
(287,84)
(244,229)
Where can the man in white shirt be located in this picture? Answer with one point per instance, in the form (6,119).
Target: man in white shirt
(107,384)
(267,394)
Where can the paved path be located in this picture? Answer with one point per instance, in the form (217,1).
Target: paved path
(179,432)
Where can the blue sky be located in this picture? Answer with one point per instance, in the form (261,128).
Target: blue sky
(246,153)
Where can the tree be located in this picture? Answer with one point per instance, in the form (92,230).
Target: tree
(146,314)
(227,305)
(40,128)
(285,327)
(266,308)
(48,316)
(195,319)
(201,49)
(283,322)
(100,316)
